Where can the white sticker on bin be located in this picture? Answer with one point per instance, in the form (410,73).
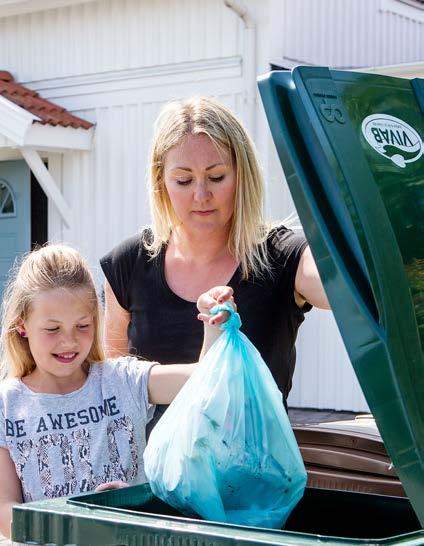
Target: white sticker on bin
(393,138)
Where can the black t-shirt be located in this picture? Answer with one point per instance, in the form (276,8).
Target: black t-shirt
(163,327)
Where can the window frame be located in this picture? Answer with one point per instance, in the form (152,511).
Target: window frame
(5,183)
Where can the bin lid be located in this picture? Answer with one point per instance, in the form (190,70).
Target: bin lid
(351,148)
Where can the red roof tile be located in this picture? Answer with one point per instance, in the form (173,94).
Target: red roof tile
(49,113)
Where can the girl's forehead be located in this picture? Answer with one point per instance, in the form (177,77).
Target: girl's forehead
(63,301)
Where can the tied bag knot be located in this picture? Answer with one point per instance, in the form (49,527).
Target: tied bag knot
(234,321)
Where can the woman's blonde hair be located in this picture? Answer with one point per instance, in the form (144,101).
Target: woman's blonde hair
(49,267)
(204,115)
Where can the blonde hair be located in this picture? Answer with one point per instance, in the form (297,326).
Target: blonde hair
(49,267)
(204,115)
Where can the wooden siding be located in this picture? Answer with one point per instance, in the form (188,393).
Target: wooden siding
(351,33)
(115,62)
(113,35)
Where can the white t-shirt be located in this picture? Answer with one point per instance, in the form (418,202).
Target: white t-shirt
(64,444)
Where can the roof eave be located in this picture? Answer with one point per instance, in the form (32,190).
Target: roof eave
(405,70)
(57,139)
(402,70)
(19,127)
(15,122)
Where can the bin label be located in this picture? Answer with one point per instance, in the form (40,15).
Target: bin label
(393,138)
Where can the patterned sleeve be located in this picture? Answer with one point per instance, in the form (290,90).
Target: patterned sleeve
(134,381)
(118,267)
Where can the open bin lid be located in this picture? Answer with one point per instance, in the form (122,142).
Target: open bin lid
(351,148)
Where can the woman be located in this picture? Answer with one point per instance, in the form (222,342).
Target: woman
(207,229)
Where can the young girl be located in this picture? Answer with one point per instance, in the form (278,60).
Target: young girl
(71,420)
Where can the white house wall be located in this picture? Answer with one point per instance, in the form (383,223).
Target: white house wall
(344,34)
(351,33)
(111,35)
(115,62)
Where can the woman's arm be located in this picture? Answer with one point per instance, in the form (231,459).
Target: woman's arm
(308,285)
(211,332)
(10,491)
(116,325)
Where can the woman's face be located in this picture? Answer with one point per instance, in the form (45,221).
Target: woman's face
(201,181)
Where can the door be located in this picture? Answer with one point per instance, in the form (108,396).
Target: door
(15,215)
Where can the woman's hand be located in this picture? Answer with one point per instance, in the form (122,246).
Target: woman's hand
(214,296)
(207,300)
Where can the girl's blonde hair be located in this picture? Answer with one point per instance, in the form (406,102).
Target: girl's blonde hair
(204,115)
(49,267)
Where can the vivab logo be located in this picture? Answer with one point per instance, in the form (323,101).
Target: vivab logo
(393,138)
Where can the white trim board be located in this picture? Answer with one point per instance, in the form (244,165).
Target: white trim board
(407,70)
(49,138)
(15,122)
(155,94)
(9,8)
(47,183)
(142,84)
(21,128)
(412,11)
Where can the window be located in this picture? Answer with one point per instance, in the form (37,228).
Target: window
(7,202)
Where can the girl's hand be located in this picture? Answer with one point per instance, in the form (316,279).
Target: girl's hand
(118,484)
(214,296)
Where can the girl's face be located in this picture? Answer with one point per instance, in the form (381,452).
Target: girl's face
(60,332)
(201,182)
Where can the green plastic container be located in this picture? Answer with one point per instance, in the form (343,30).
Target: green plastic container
(351,148)
(134,516)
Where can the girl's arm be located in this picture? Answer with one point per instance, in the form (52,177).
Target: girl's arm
(165,382)
(116,325)
(10,491)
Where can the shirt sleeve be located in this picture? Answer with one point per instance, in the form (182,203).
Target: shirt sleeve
(286,249)
(118,267)
(134,381)
(3,442)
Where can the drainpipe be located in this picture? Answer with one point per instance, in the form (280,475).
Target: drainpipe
(249,63)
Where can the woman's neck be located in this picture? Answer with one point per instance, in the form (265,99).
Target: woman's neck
(199,247)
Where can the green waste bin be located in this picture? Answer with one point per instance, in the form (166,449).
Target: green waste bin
(351,148)
(352,151)
(134,516)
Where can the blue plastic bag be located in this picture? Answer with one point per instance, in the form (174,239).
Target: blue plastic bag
(224,449)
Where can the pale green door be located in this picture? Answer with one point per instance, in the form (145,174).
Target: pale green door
(15,215)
